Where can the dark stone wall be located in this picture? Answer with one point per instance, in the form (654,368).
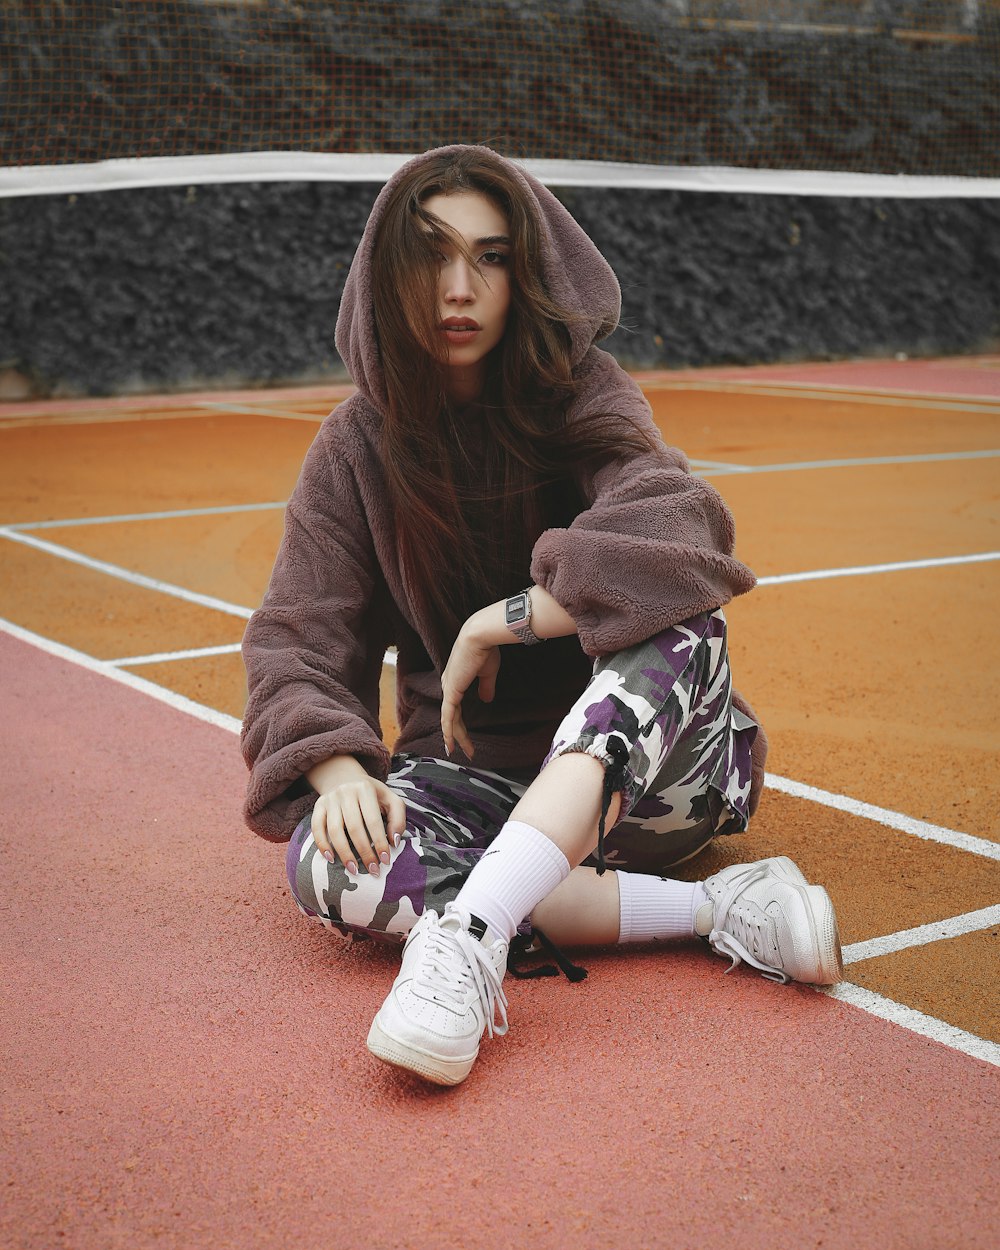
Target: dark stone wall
(171,288)
(748,278)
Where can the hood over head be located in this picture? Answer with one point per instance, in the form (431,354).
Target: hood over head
(575,274)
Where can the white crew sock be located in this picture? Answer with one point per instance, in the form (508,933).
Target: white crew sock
(655,909)
(521,867)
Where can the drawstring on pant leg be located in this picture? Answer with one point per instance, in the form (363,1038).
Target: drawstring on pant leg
(614,780)
(519,951)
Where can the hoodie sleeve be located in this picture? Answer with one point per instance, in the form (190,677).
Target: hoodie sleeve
(312,655)
(655,544)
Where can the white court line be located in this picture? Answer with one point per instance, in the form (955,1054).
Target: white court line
(915,1021)
(122,517)
(875,1004)
(703,468)
(158,657)
(954,926)
(722,466)
(775,391)
(253,410)
(197,653)
(126,575)
(235,609)
(802,387)
(883,816)
(794,466)
(199,710)
(99,418)
(862,570)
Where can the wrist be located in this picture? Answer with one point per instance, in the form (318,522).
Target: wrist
(335,771)
(518,617)
(486,627)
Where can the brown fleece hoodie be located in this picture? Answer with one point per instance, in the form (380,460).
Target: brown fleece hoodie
(653,547)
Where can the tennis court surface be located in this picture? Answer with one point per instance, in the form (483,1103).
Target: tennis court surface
(183,1054)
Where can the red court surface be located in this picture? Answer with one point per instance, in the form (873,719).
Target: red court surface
(183,1054)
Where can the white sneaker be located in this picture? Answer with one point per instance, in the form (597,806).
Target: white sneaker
(447,993)
(767,915)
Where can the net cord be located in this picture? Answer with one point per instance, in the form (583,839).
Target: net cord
(137,172)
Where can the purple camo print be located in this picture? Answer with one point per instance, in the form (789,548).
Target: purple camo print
(687,780)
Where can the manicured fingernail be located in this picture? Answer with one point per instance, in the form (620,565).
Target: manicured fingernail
(330,857)
(396,839)
(373,869)
(351,867)
(384,857)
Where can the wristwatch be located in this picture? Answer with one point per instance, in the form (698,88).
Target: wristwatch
(517,617)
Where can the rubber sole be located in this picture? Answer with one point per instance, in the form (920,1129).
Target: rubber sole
(436,1068)
(827,935)
(823,922)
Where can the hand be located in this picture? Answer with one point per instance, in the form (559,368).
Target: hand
(347,823)
(470,658)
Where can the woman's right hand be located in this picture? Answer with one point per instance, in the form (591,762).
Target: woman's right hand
(355,817)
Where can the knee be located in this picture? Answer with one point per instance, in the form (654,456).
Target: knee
(298,870)
(352,905)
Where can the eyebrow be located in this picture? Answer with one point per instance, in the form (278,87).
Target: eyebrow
(488,240)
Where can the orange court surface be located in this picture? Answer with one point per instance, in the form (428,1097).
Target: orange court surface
(183,1054)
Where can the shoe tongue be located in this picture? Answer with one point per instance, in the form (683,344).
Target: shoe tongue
(479,929)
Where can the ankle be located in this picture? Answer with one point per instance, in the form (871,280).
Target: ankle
(657,909)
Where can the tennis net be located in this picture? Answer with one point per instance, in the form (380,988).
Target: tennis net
(856,86)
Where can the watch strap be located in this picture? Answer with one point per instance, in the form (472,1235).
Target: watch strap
(517,617)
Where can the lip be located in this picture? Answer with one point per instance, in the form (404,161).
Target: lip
(460,331)
(463,324)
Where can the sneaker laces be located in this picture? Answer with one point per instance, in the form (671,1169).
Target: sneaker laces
(452,963)
(746,925)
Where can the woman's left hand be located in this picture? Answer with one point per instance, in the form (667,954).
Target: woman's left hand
(470,658)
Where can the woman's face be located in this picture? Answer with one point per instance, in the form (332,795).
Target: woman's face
(473,300)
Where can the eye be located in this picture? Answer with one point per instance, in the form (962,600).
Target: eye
(493,257)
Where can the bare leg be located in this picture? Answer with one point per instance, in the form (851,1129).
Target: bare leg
(584,911)
(564,802)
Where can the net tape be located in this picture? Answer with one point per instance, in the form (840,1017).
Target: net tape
(870,86)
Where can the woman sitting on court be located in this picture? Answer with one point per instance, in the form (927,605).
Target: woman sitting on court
(496,503)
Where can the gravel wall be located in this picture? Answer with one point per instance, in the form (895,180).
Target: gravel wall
(170,288)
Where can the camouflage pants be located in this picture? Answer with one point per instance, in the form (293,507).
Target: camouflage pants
(661,710)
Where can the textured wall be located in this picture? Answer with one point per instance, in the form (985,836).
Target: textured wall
(173,288)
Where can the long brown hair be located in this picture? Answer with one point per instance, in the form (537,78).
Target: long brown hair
(472,491)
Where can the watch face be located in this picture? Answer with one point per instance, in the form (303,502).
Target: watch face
(517,608)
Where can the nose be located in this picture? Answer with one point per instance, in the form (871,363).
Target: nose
(458,282)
